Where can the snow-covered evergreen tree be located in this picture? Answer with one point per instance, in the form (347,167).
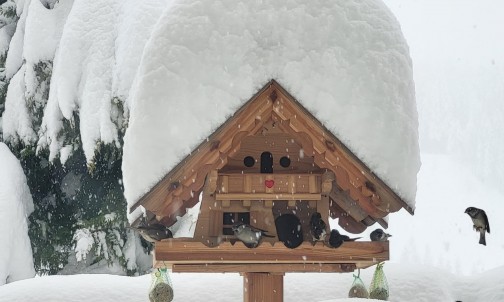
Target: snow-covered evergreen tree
(8,20)
(64,89)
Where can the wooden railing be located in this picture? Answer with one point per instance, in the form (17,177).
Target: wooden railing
(268,186)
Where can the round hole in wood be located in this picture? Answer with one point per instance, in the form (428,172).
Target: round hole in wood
(285,162)
(249,161)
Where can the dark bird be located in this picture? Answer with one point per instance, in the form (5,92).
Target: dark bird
(480,222)
(289,230)
(379,235)
(249,235)
(336,239)
(317,227)
(153,232)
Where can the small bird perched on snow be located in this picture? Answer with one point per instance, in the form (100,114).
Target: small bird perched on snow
(153,232)
(480,222)
(249,235)
(317,227)
(379,235)
(336,239)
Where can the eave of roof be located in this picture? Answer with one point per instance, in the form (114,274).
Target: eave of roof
(246,121)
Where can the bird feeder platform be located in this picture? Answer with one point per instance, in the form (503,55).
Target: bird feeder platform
(186,255)
(263,267)
(270,159)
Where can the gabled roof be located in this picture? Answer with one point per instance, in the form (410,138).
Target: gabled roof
(366,197)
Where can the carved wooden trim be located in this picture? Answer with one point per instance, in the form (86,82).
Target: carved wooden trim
(371,194)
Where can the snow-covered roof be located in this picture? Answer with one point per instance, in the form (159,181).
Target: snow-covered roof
(346,62)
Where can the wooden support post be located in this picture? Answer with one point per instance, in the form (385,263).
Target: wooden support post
(247,184)
(312,184)
(206,225)
(264,287)
(323,208)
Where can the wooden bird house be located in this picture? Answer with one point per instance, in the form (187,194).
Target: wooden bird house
(271,165)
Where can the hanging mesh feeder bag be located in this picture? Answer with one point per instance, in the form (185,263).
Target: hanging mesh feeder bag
(358,289)
(161,289)
(379,289)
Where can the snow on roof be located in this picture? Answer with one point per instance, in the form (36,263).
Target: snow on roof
(346,62)
(16,204)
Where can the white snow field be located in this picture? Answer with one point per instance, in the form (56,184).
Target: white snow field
(406,283)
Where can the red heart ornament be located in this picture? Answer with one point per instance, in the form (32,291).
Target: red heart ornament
(269,183)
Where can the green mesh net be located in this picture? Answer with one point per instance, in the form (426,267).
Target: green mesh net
(358,289)
(161,289)
(379,289)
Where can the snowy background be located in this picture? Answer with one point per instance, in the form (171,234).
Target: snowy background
(457,51)
(458,64)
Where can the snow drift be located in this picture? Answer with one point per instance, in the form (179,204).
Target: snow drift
(16,204)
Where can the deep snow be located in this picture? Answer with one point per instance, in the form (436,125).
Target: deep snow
(16,204)
(406,283)
(346,61)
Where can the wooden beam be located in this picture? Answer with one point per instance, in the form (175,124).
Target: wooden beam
(211,182)
(185,251)
(267,196)
(346,203)
(247,184)
(261,268)
(323,208)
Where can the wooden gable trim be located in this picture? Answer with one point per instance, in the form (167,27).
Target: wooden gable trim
(180,188)
(331,153)
(211,154)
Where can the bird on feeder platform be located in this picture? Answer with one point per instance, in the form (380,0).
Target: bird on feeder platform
(249,235)
(379,235)
(318,227)
(289,230)
(153,232)
(480,222)
(336,239)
